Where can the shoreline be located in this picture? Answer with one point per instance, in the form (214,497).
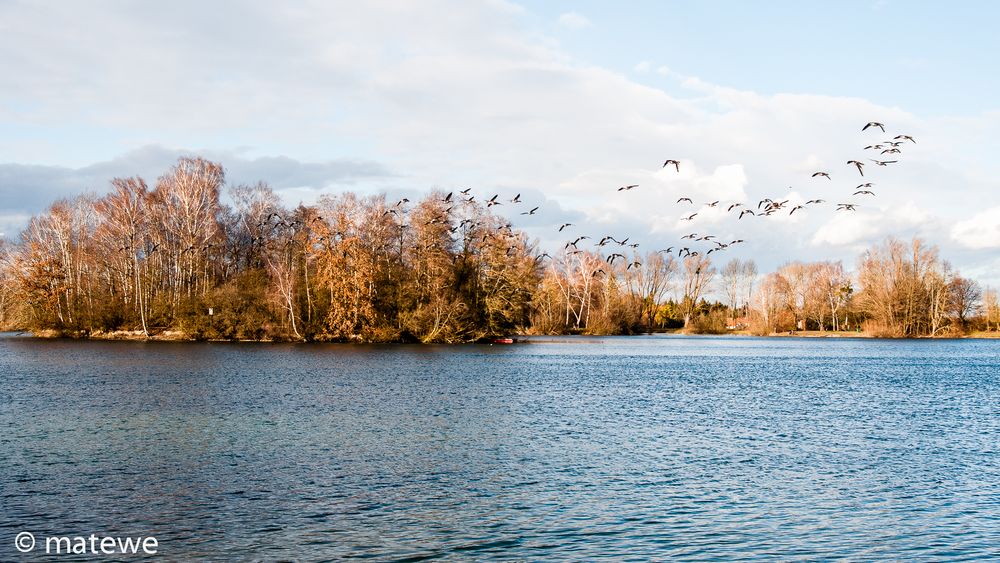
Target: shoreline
(179,336)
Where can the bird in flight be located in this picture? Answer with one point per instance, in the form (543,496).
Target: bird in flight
(687,199)
(874,124)
(731,207)
(516,199)
(904,137)
(689,217)
(865,185)
(824,174)
(532,212)
(676,163)
(713,204)
(845,206)
(564,225)
(745,212)
(859,164)
(864,192)
(466,192)
(796,207)
(811,201)
(691,236)
(493,201)
(627,188)
(884,162)
(447,198)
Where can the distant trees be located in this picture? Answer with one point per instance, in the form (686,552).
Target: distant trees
(991,310)
(738,277)
(904,288)
(351,268)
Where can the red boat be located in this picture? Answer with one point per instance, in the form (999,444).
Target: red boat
(502,341)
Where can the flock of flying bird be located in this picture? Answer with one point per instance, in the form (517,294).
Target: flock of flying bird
(766,207)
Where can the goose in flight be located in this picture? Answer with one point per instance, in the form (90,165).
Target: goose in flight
(846,206)
(811,201)
(402,201)
(689,217)
(578,239)
(904,138)
(447,198)
(597,271)
(884,162)
(611,259)
(713,204)
(466,192)
(865,185)
(687,199)
(493,201)
(746,212)
(564,225)
(891,151)
(859,164)
(874,124)
(733,206)
(824,174)
(691,236)
(628,187)
(516,199)
(676,163)
(531,212)
(864,192)
(796,207)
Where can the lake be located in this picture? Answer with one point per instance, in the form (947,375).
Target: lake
(623,448)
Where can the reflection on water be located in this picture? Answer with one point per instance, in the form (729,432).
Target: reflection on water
(647,447)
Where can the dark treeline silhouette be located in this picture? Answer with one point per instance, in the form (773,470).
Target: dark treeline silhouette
(174,261)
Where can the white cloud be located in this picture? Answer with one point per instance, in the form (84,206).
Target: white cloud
(642,67)
(574,20)
(869,224)
(981,231)
(384,95)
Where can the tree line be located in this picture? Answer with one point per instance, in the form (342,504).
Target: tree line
(175,259)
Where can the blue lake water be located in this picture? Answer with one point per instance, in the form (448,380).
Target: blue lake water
(559,449)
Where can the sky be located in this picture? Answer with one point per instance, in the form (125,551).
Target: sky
(560,101)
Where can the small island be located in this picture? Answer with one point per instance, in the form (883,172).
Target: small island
(192,258)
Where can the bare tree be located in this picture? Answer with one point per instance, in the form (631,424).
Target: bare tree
(698,274)
(965,298)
